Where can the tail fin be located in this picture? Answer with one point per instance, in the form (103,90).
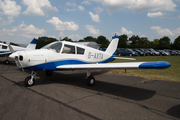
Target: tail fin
(113,45)
(32,44)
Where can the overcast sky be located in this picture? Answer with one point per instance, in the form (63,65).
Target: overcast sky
(22,20)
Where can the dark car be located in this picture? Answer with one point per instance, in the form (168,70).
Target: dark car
(126,52)
(153,51)
(164,53)
(140,53)
(170,51)
(147,52)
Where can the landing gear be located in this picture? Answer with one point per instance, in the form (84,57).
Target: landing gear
(49,72)
(6,62)
(30,81)
(90,79)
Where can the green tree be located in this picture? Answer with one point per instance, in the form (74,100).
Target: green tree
(176,44)
(164,42)
(89,39)
(11,43)
(122,41)
(102,41)
(143,42)
(67,39)
(42,41)
(134,41)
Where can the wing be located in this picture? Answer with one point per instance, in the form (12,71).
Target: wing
(127,65)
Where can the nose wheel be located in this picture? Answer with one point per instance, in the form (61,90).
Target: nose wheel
(30,81)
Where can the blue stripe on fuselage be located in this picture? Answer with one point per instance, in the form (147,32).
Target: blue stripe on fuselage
(54,64)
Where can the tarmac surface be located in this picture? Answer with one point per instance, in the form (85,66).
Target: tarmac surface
(65,96)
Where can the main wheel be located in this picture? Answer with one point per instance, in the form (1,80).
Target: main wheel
(49,72)
(90,81)
(28,82)
(6,62)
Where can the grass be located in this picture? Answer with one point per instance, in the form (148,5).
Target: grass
(170,74)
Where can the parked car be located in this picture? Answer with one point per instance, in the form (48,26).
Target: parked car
(126,52)
(140,53)
(147,52)
(153,52)
(102,49)
(178,51)
(170,51)
(162,52)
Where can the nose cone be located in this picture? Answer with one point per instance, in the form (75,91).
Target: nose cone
(13,55)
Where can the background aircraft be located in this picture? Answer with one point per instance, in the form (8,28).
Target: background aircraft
(5,51)
(63,55)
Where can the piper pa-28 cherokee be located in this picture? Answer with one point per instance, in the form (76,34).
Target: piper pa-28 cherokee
(5,51)
(63,55)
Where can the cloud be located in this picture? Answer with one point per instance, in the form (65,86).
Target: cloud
(59,25)
(31,29)
(70,6)
(95,17)
(72,36)
(163,32)
(38,7)
(98,10)
(75,37)
(139,5)
(28,31)
(10,8)
(125,31)
(92,30)
(86,2)
(6,22)
(81,7)
(158,14)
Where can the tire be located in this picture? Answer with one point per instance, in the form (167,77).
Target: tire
(6,62)
(90,81)
(28,83)
(48,72)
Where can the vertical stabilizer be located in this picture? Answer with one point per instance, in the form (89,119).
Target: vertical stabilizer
(113,45)
(32,45)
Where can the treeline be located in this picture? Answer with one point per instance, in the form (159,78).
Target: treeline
(101,40)
(133,42)
(143,42)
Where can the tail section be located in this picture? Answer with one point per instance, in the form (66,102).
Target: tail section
(32,44)
(113,45)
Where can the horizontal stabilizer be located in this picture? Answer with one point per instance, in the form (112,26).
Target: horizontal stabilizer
(127,65)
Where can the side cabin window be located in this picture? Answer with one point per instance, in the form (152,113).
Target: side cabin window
(68,49)
(4,47)
(80,50)
(56,47)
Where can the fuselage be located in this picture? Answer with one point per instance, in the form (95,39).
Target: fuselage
(61,53)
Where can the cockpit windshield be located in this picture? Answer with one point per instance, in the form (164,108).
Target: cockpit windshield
(55,46)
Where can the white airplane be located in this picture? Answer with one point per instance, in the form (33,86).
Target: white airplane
(5,51)
(63,55)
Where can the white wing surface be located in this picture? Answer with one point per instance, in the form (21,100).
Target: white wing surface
(127,65)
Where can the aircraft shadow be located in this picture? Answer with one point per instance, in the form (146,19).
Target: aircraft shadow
(174,111)
(79,80)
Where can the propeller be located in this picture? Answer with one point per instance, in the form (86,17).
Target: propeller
(14,56)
